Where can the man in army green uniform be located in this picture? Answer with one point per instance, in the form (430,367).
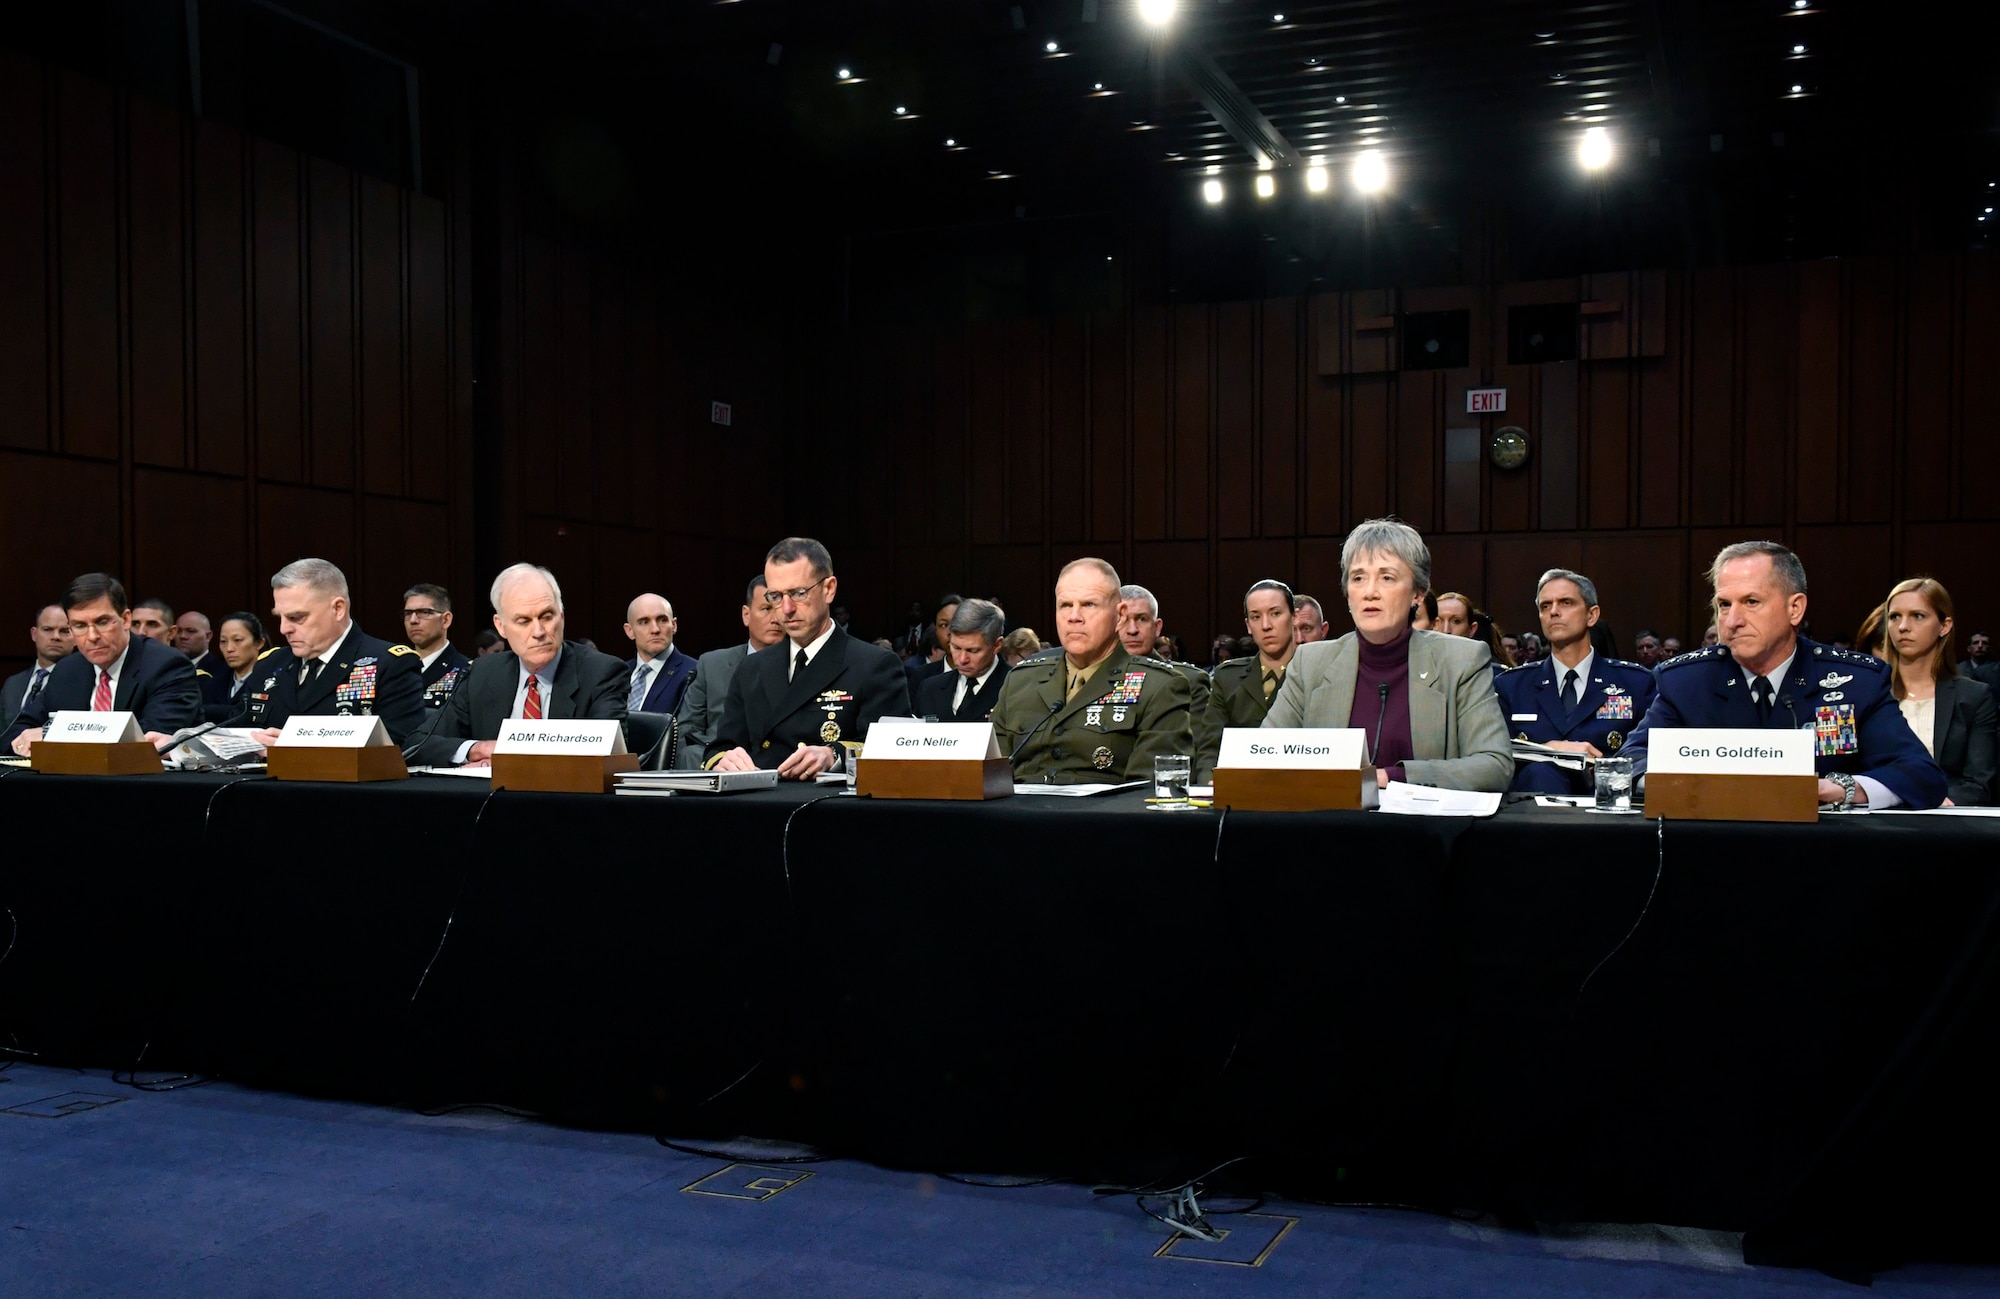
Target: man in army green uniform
(1139,629)
(1241,692)
(1097,712)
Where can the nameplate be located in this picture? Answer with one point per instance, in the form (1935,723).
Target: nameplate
(1722,751)
(577,738)
(92,728)
(1300,748)
(333,733)
(908,739)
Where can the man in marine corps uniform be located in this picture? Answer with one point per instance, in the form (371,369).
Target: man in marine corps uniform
(328,666)
(1765,675)
(1572,700)
(1139,630)
(427,622)
(1097,713)
(1242,689)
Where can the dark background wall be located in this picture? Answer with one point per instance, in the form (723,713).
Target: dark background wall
(219,352)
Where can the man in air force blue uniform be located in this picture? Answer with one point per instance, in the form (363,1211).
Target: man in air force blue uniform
(1572,700)
(1764,675)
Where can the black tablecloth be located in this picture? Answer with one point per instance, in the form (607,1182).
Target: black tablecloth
(1769,1027)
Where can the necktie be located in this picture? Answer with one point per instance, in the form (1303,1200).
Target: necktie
(958,695)
(101,701)
(798,665)
(638,695)
(531,707)
(1570,693)
(35,687)
(1767,695)
(1075,684)
(309,670)
(1273,678)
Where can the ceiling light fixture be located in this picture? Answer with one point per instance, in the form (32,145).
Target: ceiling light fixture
(1798,49)
(1316,178)
(1371,173)
(900,110)
(1212,190)
(1157,13)
(1593,152)
(845,74)
(1277,18)
(950,143)
(1340,99)
(1051,47)
(1267,185)
(1798,90)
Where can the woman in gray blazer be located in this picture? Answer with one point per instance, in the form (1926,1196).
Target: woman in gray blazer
(1952,715)
(1425,700)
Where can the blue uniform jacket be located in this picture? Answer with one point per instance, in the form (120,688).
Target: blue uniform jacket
(1615,699)
(1840,695)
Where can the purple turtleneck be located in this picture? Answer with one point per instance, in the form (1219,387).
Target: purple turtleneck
(1384,665)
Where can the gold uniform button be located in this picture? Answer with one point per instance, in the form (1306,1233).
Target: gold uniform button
(765,745)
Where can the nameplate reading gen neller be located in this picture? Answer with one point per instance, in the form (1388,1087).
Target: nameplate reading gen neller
(907,739)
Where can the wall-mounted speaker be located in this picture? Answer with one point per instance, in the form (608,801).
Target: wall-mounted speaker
(1545,331)
(1437,340)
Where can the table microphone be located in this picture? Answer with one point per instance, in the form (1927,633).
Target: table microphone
(410,746)
(1054,708)
(1380,717)
(197,733)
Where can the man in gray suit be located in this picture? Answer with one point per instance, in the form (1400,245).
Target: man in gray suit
(701,704)
(52,638)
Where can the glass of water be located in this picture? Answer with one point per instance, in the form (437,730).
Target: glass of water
(1614,784)
(1170,779)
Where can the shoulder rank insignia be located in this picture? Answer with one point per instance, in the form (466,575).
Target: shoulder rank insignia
(401,649)
(268,653)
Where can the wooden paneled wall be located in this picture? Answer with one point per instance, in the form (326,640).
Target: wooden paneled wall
(1846,407)
(218,355)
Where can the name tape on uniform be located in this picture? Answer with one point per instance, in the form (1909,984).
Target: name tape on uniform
(589,739)
(92,728)
(334,733)
(1295,748)
(1724,751)
(908,739)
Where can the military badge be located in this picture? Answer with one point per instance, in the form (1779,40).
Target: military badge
(367,662)
(830,732)
(1834,731)
(1616,708)
(269,682)
(1612,740)
(1127,690)
(1833,680)
(1101,758)
(1093,714)
(1118,714)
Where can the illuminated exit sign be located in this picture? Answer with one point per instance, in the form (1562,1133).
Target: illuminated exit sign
(1485,401)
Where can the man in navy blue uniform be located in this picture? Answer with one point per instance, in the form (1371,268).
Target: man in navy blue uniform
(1765,675)
(112,670)
(328,666)
(427,625)
(1573,700)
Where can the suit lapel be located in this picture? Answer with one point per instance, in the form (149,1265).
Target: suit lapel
(811,679)
(1340,677)
(128,680)
(562,690)
(1941,710)
(318,688)
(1738,708)
(1427,702)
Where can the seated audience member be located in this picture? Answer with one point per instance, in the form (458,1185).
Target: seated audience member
(883,642)
(1532,648)
(192,637)
(970,690)
(328,666)
(791,705)
(1424,613)
(1241,690)
(1872,637)
(154,619)
(1766,676)
(1646,649)
(1671,648)
(1424,698)
(1512,644)
(660,673)
(52,640)
(539,675)
(931,659)
(1486,631)
(242,642)
(1095,712)
(701,703)
(1140,632)
(1709,638)
(487,642)
(1020,643)
(112,670)
(1952,715)
(427,625)
(1453,616)
(1573,700)
(1167,650)
(1309,623)
(1221,650)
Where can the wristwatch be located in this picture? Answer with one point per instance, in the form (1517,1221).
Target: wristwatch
(1846,783)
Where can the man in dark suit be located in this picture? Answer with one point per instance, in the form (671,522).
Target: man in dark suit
(427,626)
(328,666)
(538,675)
(701,703)
(659,672)
(50,634)
(968,692)
(112,670)
(1765,675)
(790,705)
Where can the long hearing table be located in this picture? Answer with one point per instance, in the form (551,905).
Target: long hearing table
(1784,1028)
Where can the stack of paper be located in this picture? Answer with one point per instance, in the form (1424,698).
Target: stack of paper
(657,784)
(1528,751)
(1422,800)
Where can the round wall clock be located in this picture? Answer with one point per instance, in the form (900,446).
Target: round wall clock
(1509,448)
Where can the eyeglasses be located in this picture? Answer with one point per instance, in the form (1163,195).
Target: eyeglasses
(102,626)
(797,595)
(421,613)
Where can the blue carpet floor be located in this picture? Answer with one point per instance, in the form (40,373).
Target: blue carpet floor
(225,1191)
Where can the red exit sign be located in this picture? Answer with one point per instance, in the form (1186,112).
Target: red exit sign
(1485,401)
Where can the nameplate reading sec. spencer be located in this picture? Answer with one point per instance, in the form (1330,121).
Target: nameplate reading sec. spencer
(1301,748)
(1722,751)
(333,733)
(912,740)
(91,728)
(577,738)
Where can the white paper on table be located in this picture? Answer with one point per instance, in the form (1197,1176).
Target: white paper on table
(483,771)
(1422,800)
(1080,791)
(222,745)
(1924,811)
(1565,800)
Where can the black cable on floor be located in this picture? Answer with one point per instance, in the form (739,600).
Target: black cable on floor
(1659,869)
(742,1159)
(458,898)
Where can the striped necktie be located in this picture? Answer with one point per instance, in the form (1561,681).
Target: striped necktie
(531,707)
(639,683)
(100,702)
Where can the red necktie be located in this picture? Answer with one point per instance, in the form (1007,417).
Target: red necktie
(531,707)
(101,701)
